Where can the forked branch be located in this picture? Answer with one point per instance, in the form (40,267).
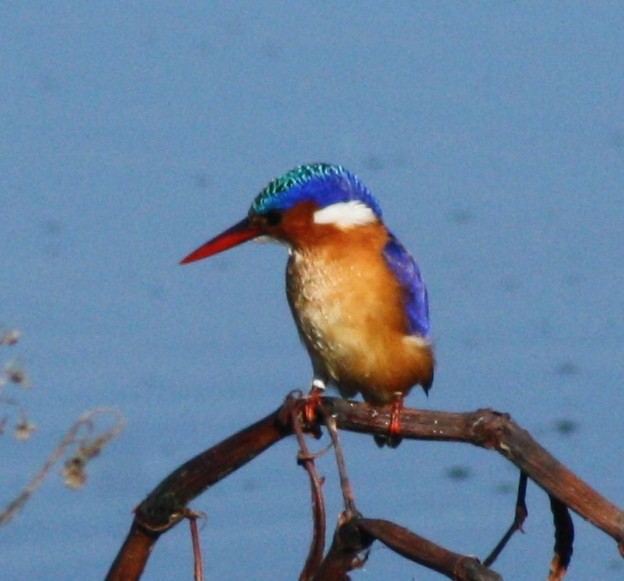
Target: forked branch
(167,504)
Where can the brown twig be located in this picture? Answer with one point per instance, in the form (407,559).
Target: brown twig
(198,568)
(353,538)
(164,507)
(348,551)
(564,539)
(88,448)
(424,552)
(306,459)
(345,485)
(519,517)
(494,431)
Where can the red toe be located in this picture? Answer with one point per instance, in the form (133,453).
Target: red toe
(395,415)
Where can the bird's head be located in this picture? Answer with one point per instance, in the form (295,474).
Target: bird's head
(300,207)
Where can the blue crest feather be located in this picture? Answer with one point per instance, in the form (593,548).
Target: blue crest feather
(323,183)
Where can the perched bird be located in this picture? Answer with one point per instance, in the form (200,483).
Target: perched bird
(357,296)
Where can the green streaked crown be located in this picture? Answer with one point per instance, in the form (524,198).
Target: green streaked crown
(295,177)
(323,183)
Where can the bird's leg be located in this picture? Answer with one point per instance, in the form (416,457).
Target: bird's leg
(313,399)
(395,414)
(393,438)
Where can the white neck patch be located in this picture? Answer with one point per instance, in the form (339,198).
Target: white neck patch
(345,214)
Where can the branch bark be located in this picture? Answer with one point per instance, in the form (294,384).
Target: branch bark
(492,430)
(167,504)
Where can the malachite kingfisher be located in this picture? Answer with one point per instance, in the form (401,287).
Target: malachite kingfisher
(356,295)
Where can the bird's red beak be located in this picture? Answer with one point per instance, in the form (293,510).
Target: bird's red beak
(233,236)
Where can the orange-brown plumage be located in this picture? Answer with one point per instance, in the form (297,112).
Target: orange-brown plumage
(349,309)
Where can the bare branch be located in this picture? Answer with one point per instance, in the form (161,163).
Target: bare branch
(166,505)
(494,431)
(519,517)
(564,539)
(422,551)
(306,459)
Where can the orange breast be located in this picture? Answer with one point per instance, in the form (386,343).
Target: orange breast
(349,310)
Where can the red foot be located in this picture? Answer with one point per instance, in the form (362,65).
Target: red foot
(395,415)
(313,403)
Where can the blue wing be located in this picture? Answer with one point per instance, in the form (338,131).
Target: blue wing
(408,274)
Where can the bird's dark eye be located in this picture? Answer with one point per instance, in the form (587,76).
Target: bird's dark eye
(273,218)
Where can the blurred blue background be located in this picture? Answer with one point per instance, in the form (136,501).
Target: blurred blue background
(493,135)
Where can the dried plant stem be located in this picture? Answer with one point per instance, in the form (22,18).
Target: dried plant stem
(71,438)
